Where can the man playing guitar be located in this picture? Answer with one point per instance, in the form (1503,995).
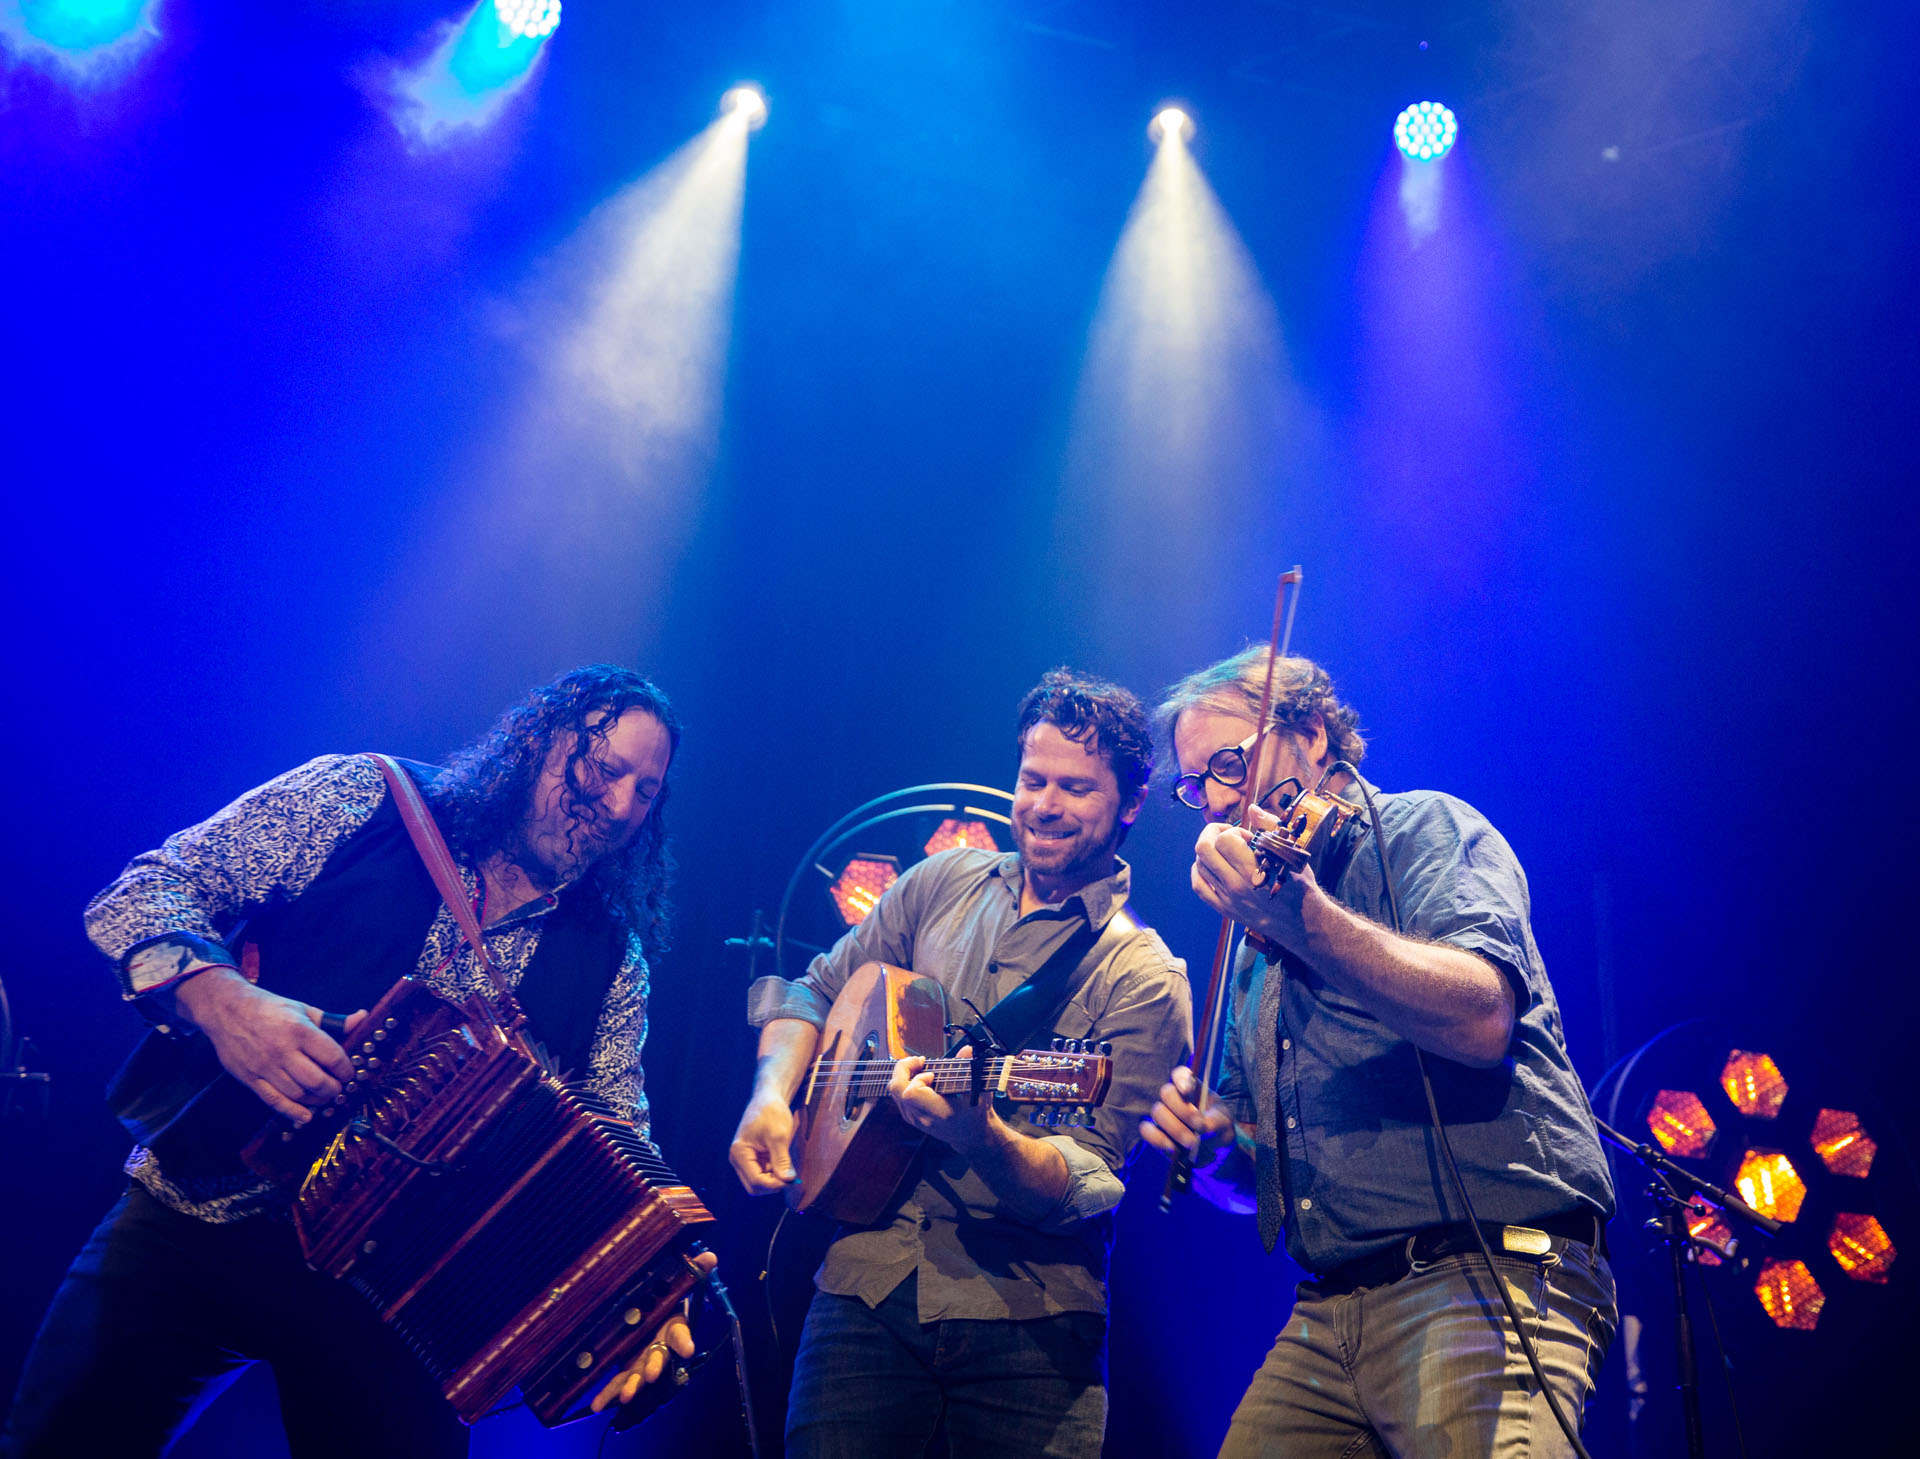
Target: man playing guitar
(979,1295)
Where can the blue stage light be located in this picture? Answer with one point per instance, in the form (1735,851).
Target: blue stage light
(529,18)
(1425,132)
(747,102)
(81,25)
(500,42)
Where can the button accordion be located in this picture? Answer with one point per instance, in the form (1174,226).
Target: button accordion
(512,1228)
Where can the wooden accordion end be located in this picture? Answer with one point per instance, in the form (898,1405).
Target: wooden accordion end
(510,1227)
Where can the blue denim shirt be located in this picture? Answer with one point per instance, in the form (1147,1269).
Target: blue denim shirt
(1359,1165)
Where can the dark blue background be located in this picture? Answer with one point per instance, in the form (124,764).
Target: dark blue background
(1631,572)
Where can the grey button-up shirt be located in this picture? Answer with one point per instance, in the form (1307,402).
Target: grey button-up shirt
(1345,1114)
(955,918)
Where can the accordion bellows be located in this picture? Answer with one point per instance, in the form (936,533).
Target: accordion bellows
(510,1227)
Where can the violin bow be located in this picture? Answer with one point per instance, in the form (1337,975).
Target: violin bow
(1180,1174)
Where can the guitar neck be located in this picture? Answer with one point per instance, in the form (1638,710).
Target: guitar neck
(1024,1078)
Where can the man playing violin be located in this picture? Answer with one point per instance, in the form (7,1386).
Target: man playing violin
(554,819)
(1397,1344)
(979,1298)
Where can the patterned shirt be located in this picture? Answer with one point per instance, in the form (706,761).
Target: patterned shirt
(163,919)
(955,918)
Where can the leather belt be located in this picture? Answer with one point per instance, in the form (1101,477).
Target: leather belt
(1536,1239)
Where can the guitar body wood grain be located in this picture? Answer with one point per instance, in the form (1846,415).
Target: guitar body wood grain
(852,1153)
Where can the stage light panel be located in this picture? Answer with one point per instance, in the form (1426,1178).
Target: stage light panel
(954,833)
(81,25)
(748,103)
(1862,1247)
(1425,132)
(1170,124)
(1680,1123)
(1792,1297)
(856,891)
(529,18)
(1709,1226)
(1768,1182)
(1843,1146)
(1754,1083)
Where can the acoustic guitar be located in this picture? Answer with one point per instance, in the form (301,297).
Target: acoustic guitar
(851,1147)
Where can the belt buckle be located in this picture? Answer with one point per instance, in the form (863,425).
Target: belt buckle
(1525,1241)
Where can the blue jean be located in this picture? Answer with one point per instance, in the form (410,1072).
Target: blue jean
(159,1308)
(1429,1365)
(877,1383)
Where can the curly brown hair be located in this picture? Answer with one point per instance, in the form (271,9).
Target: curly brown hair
(1104,718)
(481,799)
(1301,689)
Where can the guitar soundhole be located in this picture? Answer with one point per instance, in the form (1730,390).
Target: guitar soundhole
(868,1047)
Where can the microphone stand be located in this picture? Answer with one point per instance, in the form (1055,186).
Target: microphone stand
(1675,1190)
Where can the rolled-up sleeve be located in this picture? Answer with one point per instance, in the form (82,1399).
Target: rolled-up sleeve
(1148,1019)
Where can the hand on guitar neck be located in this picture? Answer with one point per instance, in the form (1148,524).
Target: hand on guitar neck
(837,1132)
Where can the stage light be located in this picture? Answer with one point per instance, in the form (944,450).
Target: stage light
(954,833)
(1862,1247)
(1680,1123)
(78,27)
(1790,1294)
(1754,1083)
(1425,132)
(748,103)
(1768,1182)
(500,42)
(1170,124)
(1710,1227)
(856,891)
(1843,1146)
(529,18)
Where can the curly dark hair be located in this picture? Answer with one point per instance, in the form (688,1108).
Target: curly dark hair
(482,798)
(1101,717)
(1301,689)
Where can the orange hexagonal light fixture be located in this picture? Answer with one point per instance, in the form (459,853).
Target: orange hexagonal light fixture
(954,833)
(856,891)
(1792,1297)
(1862,1247)
(1843,1146)
(1754,1083)
(1680,1122)
(1768,1182)
(1708,1226)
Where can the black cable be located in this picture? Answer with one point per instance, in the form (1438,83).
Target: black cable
(1446,1147)
(766,1278)
(1726,1364)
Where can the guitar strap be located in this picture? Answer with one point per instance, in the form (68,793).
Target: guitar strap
(1034,1005)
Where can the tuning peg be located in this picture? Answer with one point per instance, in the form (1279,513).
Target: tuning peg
(1058,1043)
(1073,1046)
(1106,1049)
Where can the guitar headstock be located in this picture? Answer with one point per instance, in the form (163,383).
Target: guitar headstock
(1065,1083)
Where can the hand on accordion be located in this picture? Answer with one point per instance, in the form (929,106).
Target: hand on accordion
(673,1338)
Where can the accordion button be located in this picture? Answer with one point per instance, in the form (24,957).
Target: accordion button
(631,1317)
(584,1360)
(367,1248)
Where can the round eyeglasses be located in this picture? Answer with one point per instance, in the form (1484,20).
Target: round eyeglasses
(1228,765)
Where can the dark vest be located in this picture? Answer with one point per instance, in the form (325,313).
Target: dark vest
(357,930)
